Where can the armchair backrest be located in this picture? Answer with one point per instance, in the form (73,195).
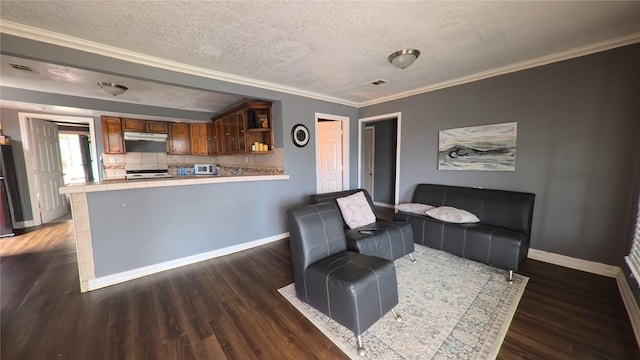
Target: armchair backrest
(332,196)
(315,232)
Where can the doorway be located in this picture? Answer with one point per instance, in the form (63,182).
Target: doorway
(44,181)
(369,158)
(332,152)
(379,157)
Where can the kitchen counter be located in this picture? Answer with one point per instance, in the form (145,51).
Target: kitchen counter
(121,184)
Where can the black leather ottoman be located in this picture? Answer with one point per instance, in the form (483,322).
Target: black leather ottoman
(390,239)
(346,281)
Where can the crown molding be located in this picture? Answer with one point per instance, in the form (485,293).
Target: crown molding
(544,60)
(41,35)
(71,42)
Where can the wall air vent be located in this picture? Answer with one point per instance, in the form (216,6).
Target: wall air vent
(24,68)
(377,82)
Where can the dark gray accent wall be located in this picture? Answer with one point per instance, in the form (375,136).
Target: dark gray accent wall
(578,126)
(384,176)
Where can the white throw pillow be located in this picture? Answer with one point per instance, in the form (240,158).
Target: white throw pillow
(355,210)
(415,208)
(452,215)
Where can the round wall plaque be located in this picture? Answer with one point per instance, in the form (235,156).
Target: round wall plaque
(300,135)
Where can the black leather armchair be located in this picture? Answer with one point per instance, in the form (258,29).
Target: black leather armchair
(353,289)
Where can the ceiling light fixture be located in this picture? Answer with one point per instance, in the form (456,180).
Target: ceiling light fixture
(113,88)
(404,58)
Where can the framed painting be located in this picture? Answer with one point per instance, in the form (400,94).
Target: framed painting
(485,147)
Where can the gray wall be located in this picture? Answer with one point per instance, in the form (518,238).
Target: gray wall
(191,219)
(578,126)
(135,228)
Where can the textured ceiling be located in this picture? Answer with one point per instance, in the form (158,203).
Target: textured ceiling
(328,48)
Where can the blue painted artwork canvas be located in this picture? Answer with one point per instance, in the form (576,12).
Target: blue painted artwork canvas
(486,147)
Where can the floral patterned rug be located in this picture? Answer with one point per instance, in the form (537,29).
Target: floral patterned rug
(452,308)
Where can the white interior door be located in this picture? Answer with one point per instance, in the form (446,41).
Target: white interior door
(47,169)
(330,156)
(369,156)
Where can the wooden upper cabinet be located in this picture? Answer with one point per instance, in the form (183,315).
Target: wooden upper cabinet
(241,122)
(231,128)
(219,136)
(201,139)
(144,126)
(238,129)
(178,140)
(135,125)
(158,127)
(112,137)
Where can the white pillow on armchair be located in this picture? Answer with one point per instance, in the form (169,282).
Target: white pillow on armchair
(356,210)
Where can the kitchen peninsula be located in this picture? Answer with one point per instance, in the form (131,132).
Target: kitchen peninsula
(126,229)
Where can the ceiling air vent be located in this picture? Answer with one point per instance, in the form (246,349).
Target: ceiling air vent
(24,68)
(377,82)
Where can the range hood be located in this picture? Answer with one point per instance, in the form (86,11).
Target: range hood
(138,136)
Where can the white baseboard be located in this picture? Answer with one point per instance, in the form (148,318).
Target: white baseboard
(633,310)
(573,263)
(113,279)
(24,224)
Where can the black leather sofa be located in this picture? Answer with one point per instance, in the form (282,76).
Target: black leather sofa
(387,239)
(502,236)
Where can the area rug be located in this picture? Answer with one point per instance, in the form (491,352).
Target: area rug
(452,308)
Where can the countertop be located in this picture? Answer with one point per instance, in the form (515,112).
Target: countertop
(121,184)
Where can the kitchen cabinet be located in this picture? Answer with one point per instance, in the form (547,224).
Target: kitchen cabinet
(201,139)
(239,128)
(112,137)
(218,136)
(230,133)
(157,127)
(178,139)
(134,125)
(144,126)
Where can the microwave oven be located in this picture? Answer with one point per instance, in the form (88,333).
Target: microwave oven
(204,169)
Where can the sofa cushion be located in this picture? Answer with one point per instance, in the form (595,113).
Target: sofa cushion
(452,215)
(355,210)
(415,208)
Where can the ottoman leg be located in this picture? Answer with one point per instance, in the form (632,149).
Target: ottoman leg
(359,347)
(396,315)
(412,259)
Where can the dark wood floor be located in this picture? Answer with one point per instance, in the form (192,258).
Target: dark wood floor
(228,308)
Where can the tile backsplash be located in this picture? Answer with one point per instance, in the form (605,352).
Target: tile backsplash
(116,166)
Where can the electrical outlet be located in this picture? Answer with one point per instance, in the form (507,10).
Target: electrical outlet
(246,159)
(112,160)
